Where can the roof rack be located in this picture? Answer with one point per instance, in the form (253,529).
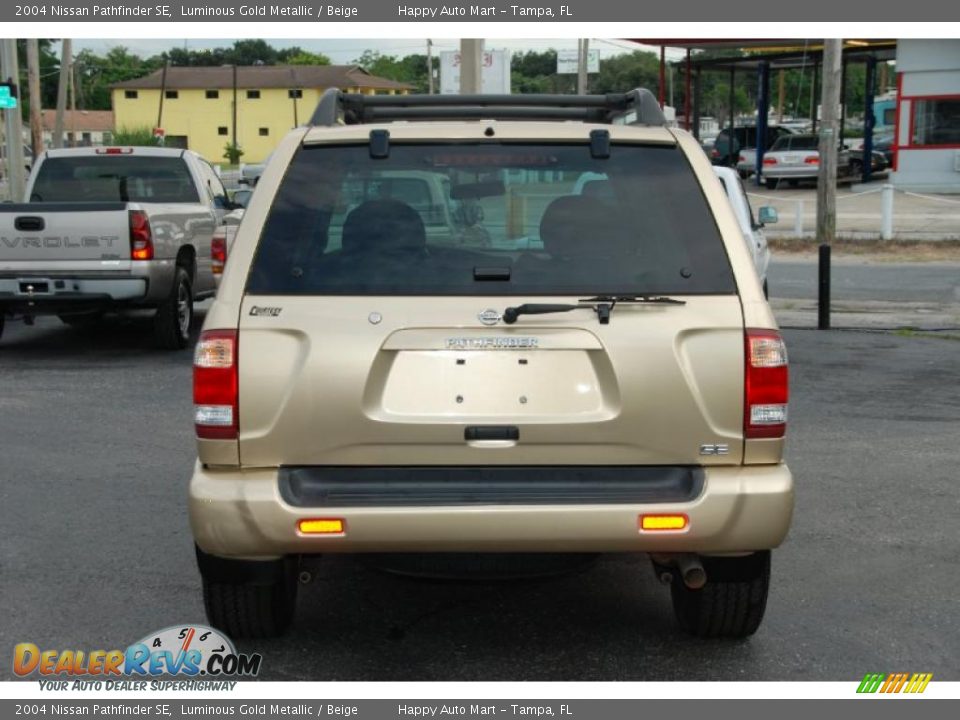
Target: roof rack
(637,107)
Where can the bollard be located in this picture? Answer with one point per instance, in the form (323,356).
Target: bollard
(798,221)
(823,303)
(886,212)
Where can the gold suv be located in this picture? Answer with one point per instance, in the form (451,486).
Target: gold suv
(490,324)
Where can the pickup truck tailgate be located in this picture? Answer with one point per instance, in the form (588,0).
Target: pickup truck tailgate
(65,233)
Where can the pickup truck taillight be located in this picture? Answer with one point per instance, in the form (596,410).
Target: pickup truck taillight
(765,385)
(141,239)
(215,385)
(218,250)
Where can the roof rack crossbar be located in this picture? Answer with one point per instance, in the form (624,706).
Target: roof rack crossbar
(635,107)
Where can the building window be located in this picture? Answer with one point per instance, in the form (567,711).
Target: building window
(295,94)
(222,130)
(264,132)
(253,94)
(130,94)
(936,121)
(171,94)
(213,94)
(107,138)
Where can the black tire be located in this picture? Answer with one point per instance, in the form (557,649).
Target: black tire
(771,184)
(250,603)
(766,290)
(171,324)
(731,604)
(3,321)
(82,321)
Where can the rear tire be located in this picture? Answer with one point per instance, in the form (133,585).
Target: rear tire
(3,321)
(771,184)
(171,324)
(250,599)
(731,604)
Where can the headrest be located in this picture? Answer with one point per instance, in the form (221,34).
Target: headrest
(383,225)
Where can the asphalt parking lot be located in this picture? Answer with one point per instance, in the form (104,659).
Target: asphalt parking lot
(95,550)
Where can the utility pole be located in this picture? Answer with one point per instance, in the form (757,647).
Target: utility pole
(33,81)
(65,53)
(827,181)
(780,94)
(583,46)
(429,66)
(12,122)
(471,66)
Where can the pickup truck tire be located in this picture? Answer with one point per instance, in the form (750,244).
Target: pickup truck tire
(3,321)
(254,604)
(731,604)
(171,324)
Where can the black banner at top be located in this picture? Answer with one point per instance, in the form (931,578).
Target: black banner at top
(536,11)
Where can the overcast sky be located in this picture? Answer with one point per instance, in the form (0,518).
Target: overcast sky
(342,52)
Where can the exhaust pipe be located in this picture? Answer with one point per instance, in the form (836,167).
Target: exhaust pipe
(691,571)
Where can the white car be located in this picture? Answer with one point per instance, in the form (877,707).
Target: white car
(752,230)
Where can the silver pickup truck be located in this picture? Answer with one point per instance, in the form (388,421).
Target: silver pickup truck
(117,229)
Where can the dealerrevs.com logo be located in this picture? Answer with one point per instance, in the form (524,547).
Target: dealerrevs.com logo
(185,651)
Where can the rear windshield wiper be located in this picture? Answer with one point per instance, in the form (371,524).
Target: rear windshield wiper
(601,304)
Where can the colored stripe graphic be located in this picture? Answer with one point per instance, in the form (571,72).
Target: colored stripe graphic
(870,683)
(894,683)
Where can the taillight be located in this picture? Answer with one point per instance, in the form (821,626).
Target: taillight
(812,159)
(714,153)
(218,250)
(769,161)
(765,385)
(742,159)
(215,385)
(141,239)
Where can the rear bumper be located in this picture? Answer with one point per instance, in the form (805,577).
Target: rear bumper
(39,291)
(244,514)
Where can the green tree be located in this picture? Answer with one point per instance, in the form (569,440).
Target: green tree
(95,74)
(299,56)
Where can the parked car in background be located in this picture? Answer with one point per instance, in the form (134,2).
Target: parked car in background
(250,174)
(752,230)
(743,154)
(113,230)
(878,161)
(883,143)
(796,158)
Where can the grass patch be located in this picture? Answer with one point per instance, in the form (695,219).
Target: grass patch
(890,250)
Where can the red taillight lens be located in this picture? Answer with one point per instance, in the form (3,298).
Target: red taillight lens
(769,161)
(141,238)
(812,159)
(215,385)
(714,153)
(766,387)
(218,250)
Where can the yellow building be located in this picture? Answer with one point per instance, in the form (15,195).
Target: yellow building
(207,108)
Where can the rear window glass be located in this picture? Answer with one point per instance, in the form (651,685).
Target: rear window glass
(490,219)
(797,142)
(109,178)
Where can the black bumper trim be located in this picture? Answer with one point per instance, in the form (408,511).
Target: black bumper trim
(338,486)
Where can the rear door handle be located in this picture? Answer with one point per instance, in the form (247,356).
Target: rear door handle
(473,433)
